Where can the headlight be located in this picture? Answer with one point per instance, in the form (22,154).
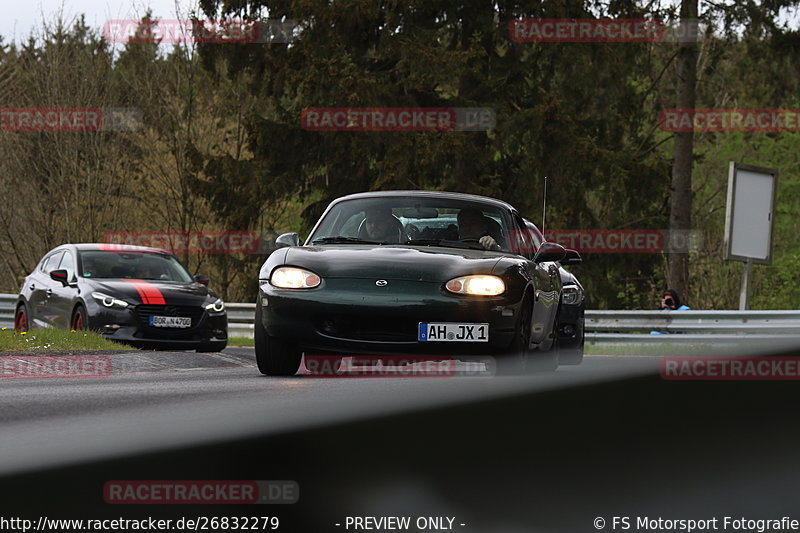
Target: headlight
(570,295)
(477,285)
(294,278)
(218,306)
(109,301)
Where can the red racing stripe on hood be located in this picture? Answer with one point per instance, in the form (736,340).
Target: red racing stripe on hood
(148,292)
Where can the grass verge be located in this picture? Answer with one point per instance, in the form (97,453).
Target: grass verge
(665,349)
(240,341)
(55,339)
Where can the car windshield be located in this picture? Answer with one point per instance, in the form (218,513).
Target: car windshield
(413,221)
(132,265)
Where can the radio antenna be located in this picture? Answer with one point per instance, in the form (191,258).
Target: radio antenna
(544,206)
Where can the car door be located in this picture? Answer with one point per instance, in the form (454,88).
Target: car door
(63,296)
(41,289)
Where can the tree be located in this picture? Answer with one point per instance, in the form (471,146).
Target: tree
(680,218)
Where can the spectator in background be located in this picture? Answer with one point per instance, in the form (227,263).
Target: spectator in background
(670,301)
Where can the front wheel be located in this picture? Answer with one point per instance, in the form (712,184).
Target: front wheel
(21,318)
(78,321)
(515,360)
(572,355)
(542,362)
(545,361)
(274,357)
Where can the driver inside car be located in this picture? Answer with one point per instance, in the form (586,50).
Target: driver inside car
(380,225)
(472,226)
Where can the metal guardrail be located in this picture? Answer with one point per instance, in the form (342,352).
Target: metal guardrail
(728,327)
(240,319)
(7,302)
(602,327)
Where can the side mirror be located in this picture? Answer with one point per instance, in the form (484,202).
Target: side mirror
(202,280)
(288,239)
(61,276)
(572,258)
(550,251)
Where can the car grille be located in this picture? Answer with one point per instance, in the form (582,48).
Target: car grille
(143,313)
(367,328)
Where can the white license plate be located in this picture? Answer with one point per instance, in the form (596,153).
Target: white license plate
(453,332)
(171,321)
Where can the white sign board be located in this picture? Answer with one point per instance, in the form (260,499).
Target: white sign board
(750,213)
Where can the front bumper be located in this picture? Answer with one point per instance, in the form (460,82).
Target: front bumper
(355,316)
(209,331)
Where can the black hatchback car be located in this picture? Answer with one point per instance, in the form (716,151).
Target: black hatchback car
(132,294)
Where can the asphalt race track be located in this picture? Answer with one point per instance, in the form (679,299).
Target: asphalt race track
(500,454)
(157,400)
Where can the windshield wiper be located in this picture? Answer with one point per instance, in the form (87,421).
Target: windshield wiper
(445,243)
(343,240)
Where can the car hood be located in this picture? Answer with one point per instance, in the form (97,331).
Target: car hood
(152,292)
(392,262)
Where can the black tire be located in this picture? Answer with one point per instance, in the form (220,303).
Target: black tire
(22,318)
(515,360)
(274,357)
(542,362)
(571,356)
(79,320)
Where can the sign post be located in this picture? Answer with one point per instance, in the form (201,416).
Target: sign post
(749,219)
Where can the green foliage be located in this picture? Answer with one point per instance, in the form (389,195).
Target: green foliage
(222,146)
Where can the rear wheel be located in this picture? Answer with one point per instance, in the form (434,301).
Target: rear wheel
(21,318)
(274,357)
(79,322)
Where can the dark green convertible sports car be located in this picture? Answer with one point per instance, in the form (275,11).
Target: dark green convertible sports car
(411,272)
